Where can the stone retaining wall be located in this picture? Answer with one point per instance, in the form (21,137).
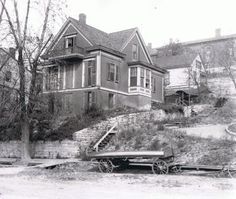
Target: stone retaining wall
(40,149)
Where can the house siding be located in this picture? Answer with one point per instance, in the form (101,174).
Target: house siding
(158,95)
(122,84)
(79,41)
(128,50)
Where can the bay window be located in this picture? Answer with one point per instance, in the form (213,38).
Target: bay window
(142,75)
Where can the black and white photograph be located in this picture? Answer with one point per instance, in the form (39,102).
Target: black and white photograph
(117,99)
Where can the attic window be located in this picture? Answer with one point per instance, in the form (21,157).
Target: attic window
(8,76)
(135,52)
(70,42)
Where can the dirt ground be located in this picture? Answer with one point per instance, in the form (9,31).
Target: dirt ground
(70,183)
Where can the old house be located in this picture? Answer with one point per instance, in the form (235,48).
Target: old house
(87,67)
(184,77)
(8,80)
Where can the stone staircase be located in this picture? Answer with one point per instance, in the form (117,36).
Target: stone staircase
(103,140)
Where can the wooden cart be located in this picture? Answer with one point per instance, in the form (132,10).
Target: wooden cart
(156,160)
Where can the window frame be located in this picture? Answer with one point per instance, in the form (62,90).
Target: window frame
(134,75)
(115,72)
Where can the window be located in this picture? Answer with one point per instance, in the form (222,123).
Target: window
(8,76)
(148,78)
(91,73)
(52,78)
(142,77)
(111,100)
(113,72)
(133,76)
(135,52)
(70,42)
(91,99)
(153,84)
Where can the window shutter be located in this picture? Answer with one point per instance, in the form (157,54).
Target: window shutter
(108,72)
(117,73)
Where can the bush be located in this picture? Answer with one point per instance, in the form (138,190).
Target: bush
(220,102)
(169,108)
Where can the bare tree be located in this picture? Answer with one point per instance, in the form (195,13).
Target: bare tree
(29,48)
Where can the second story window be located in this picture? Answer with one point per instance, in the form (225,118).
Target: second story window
(113,72)
(134,52)
(133,76)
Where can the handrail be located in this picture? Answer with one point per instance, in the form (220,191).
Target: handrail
(103,137)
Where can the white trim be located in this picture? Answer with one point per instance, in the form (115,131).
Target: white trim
(138,76)
(144,52)
(129,77)
(71,90)
(145,47)
(111,56)
(83,74)
(64,77)
(73,76)
(141,42)
(114,91)
(89,59)
(58,77)
(101,88)
(128,40)
(162,89)
(98,71)
(70,36)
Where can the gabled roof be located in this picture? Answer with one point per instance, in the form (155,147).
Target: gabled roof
(175,61)
(113,40)
(119,38)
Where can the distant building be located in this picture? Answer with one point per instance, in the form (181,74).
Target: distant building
(184,77)
(87,67)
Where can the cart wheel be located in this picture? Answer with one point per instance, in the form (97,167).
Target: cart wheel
(105,166)
(160,167)
(175,169)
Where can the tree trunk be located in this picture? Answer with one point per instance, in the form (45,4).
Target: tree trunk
(24,120)
(25,144)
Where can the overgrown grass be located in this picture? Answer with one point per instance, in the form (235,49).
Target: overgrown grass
(187,149)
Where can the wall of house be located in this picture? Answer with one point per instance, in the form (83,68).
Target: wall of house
(69,30)
(128,50)
(122,85)
(158,95)
(178,77)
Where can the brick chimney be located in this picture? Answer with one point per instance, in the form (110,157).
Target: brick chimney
(82,18)
(218,32)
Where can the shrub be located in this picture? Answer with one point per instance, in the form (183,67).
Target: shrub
(220,102)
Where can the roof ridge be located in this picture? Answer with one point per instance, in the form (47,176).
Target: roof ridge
(88,25)
(122,30)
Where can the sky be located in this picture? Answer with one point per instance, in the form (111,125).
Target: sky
(159,20)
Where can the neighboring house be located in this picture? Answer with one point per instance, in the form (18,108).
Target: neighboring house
(87,67)
(184,77)
(8,78)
